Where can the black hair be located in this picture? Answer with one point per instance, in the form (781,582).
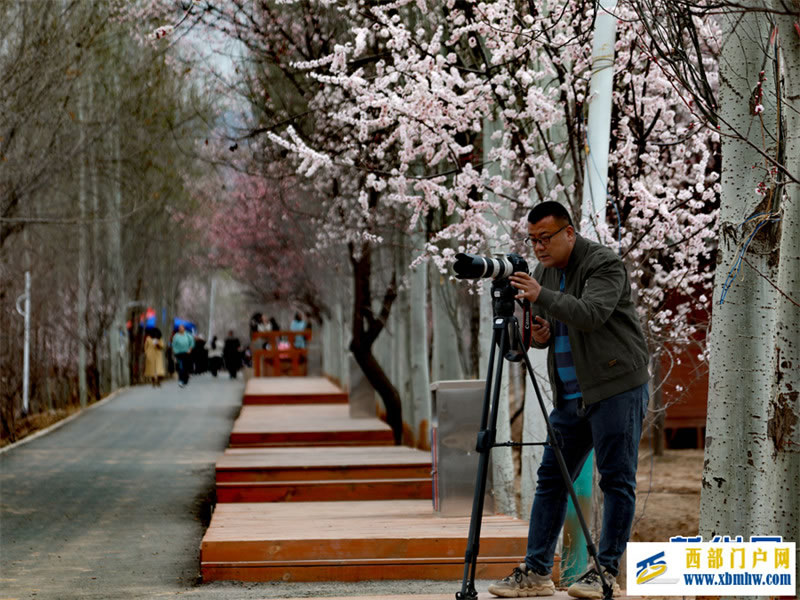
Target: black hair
(549,209)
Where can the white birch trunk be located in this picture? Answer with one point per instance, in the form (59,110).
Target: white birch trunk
(339,344)
(329,357)
(751,477)
(502,462)
(445,360)
(119,372)
(398,361)
(83,254)
(534,428)
(419,370)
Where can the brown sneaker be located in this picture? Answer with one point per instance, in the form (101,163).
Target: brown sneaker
(523,583)
(589,585)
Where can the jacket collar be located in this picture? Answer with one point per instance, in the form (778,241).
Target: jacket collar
(579,250)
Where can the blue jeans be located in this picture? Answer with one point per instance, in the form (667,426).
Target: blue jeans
(182,359)
(613,427)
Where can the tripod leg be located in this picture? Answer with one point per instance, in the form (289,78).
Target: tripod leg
(486,439)
(607,588)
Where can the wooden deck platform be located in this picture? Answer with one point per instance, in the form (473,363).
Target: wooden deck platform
(352,541)
(312,474)
(292,390)
(306,425)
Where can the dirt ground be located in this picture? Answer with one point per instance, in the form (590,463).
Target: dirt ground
(667,495)
(24,426)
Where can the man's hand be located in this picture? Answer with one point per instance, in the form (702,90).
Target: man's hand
(541,330)
(528,287)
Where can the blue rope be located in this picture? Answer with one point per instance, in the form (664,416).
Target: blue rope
(737,265)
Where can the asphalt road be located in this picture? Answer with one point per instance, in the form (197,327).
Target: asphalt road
(114,503)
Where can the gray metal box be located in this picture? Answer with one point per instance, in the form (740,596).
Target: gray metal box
(456,408)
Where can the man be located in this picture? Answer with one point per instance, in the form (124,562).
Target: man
(182,344)
(598,368)
(232,354)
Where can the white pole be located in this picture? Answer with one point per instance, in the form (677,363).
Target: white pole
(26,355)
(598,129)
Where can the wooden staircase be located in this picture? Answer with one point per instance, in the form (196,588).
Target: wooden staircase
(306,493)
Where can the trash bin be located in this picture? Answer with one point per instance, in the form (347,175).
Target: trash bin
(456,408)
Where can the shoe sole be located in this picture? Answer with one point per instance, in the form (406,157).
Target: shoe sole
(591,593)
(528,593)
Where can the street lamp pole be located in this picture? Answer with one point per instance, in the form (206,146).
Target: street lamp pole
(26,355)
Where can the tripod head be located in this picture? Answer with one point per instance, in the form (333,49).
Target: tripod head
(503,300)
(503,304)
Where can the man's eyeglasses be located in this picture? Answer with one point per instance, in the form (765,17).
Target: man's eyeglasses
(545,239)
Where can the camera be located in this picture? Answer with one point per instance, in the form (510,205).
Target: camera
(470,266)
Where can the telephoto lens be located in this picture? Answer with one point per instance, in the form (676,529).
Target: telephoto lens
(470,266)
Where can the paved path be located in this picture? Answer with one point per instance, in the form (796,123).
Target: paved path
(114,504)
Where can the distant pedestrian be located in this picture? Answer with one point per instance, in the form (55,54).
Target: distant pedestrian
(199,355)
(255,320)
(214,355)
(298,324)
(232,354)
(264,325)
(153,359)
(182,344)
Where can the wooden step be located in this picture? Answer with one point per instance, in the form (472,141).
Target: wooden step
(308,463)
(351,541)
(306,425)
(324,490)
(292,390)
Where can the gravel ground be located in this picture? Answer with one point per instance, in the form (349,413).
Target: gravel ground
(114,504)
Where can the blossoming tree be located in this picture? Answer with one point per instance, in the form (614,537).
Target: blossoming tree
(383,108)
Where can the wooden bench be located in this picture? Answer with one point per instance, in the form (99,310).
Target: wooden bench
(275,353)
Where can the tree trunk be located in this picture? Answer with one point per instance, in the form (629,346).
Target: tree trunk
(534,428)
(417,344)
(396,354)
(445,361)
(83,254)
(115,283)
(367,328)
(502,458)
(751,476)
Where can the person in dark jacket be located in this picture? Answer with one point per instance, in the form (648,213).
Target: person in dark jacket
(583,314)
(232,354)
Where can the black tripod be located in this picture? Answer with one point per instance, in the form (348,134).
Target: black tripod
(506,337)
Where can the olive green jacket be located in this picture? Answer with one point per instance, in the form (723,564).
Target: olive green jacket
(608,347)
